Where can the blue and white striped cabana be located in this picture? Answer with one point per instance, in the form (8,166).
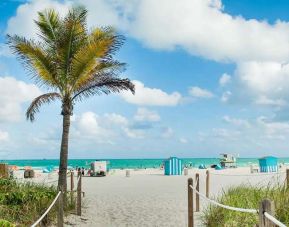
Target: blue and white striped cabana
(268,164)
(173,166)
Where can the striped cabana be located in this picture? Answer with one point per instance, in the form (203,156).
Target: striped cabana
(173,166)
(268,164)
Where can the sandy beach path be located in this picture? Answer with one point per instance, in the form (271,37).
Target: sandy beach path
(148,198)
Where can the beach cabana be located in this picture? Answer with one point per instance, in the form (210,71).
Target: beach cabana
(173,166)
(268,164)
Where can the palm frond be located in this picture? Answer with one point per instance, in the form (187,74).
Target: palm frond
(73,36)
(48,23)
(104,85)
(38,102)
(35,59)
(96,55)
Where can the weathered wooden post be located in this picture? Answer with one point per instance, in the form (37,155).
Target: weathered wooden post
(78,211)
(266,206)
(60,219)
(287,177)
(71,186)
(186,171)
(197,195)
(190,204)
(207,183)
(127,173)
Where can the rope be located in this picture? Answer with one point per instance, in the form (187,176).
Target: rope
(274,220)
(248,175)
(225,206)
(46,212)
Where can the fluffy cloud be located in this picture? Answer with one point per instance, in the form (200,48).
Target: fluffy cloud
(234,37)
(183,140)
(197,92)
(226,96)
(146,96)
(4,136)
(144,114)
(224,79)
(13,94)
(236,121)
(273,130)
(249,43)
(110,127)
(23,22)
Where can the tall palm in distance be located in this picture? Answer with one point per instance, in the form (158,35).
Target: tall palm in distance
(72,63)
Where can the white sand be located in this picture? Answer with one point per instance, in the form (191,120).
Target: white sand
(148,198)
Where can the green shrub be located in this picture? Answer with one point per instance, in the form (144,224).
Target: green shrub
(4,223)
(246,196)
(24,203)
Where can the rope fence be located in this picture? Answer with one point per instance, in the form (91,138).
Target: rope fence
(274,220)
(48,209)
(60,200)
(266,210)
(249,175)
(224,206)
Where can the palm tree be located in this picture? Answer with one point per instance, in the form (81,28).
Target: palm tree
(72,63)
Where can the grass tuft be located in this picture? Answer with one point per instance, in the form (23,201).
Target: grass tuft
(246,196)
(23,203)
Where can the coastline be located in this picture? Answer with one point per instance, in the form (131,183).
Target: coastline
(130,163)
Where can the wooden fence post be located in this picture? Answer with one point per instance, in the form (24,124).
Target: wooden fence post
(266,206)
(60,219)
(71,186)
(197,195)
(190,204)
(78,211)
(287,177)
(207,183)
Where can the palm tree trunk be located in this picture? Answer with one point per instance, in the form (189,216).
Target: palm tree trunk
(62,180)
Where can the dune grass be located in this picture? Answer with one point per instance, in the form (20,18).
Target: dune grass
(23,203)
(246,196)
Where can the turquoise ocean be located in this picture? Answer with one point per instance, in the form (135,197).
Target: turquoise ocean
(130,163)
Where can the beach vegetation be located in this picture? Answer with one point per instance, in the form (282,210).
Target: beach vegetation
(247,196)
(23,203)
(73,63)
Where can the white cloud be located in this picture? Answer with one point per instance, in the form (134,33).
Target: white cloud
(5,51)
(251,44)
(226,96)
(135,133)
(23,22)
(266,83)
(263,100)
(234,37)
(236,121)
(224,79)
(13,94)
(111,127)
(273,130)
(116,119)
(89,125)
(4,136)
(146,96)
(144,114)
(183,140)
(198,92)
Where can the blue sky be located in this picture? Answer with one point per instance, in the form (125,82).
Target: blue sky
(211,76)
